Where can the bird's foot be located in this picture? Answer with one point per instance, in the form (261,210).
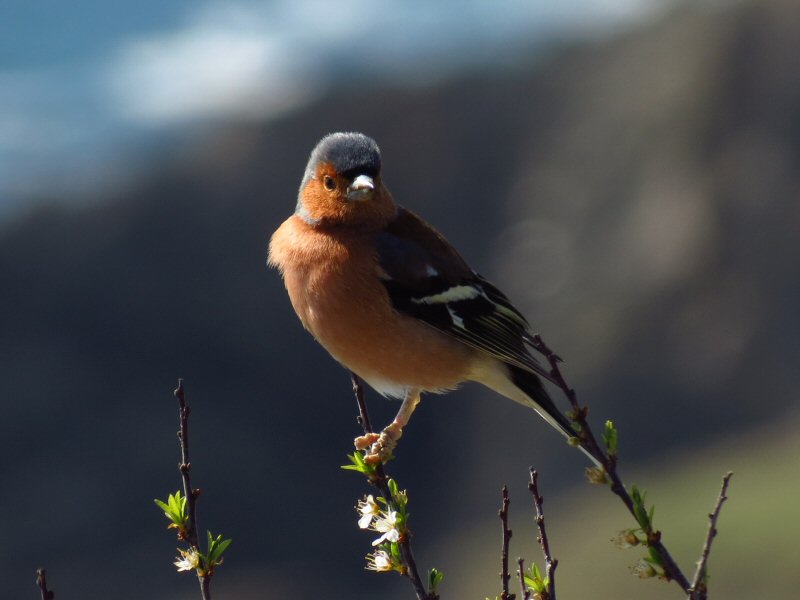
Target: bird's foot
(381,446)
(363,442)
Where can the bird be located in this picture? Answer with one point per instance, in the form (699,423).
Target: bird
(392,300)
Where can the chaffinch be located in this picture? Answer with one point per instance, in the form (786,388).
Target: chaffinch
(390,299)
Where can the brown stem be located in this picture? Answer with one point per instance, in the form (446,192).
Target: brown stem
(191,535)
(526,593)
(185,466)
(504,574)
(41,581)
(380,481)
(549,562)
(589,441)
(205,586)
(698,590)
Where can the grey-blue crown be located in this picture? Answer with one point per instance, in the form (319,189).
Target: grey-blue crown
(351,154)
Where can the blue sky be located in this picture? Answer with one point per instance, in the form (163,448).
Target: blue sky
(86,85)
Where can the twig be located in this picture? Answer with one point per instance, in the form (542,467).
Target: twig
(699,590)
(363,416)
(380,481)
(190,493)
(579,413)
(549,562)
(205,586)
(588,440)
(185,466)
(41,581)
(504,574)
(526,593)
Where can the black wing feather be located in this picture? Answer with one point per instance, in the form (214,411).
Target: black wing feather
(419,264)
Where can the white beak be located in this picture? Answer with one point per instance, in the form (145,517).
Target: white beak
(361,188)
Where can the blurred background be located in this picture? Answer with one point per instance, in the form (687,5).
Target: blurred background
(628,172)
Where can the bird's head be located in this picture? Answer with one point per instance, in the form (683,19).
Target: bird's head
(342,184)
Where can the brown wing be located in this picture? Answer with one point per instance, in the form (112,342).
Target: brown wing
(427,279)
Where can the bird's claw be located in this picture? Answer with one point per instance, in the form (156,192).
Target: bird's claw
(381,446)
(363,442)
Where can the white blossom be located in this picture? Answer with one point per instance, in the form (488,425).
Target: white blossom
(379,561)
(369,510)
(188,560)
(386,524)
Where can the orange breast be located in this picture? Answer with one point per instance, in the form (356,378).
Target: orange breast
(335,289)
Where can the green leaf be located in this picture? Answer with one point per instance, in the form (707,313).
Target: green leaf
(174,508)
(435,577)
(639,510)
(357,463)
(223,545)
(610,437)
(636,494)
(216,546)
(654,558)
(394,550)
(533,579)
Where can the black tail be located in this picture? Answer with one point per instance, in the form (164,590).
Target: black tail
(542,403)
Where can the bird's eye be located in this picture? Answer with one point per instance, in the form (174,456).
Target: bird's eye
(329,183)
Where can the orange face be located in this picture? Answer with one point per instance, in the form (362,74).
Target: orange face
(330,198)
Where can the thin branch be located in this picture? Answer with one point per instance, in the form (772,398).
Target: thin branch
(549,562)
(363,416)
(580,413)
(589,441)
(205,586)
(526,593)
(699,591)
(504,574)
(191,493)
(185,465)
(380,481)
(41,581)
